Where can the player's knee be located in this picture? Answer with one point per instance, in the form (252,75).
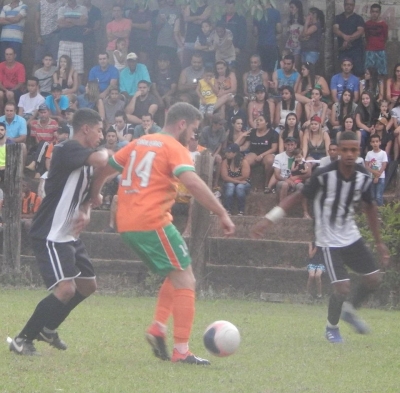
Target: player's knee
(65,291)
(373,281)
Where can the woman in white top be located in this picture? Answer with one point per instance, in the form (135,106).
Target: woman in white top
(286,106)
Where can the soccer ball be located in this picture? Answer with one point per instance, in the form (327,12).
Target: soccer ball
(221,338)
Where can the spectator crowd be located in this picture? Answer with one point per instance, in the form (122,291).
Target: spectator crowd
(278,113)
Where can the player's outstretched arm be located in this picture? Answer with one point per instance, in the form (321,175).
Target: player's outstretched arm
(371,212)
(206,198)
(276,214)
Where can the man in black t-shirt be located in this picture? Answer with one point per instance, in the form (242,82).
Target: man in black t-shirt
(62,257)
(141,103)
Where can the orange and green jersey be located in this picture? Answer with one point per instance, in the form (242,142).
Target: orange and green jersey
(148,188)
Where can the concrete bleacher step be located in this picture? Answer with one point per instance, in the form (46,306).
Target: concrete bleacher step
(247,252)
(255,279)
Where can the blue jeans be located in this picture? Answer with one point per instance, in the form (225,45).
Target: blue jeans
(364,141)
(377,191)
(311,57)
(241,190)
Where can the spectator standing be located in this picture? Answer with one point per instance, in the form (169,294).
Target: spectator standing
(349,29)
(235,173)
(46,29)
(72,22)
(237,25)
(57,102)
(165,23)
(112,104)
(16,129)
(295,28)
(66,75)
(193,20)
(376,161)
(263,145)
(147,127)
(345,80)
(29,103)
(119,27)
(12,78)
(12,18)
(255,77)
(131,75)
(376,35)
(311,35)
(45,74)
(140,36)
(105,74)
(141,103)
(266,30)
(90,44)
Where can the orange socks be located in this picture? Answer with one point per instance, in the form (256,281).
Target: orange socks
(164,302)
(183,313)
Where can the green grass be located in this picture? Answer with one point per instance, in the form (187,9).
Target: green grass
(282,350)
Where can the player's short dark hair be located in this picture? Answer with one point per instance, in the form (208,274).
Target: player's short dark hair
(103,52)
(289,57)
(47,55)
(182,111)
(333,143)
(111,129)
(143,81)
(2,124)
(348,136)
(148,115)
(376,5)
(85,116)
(375,136)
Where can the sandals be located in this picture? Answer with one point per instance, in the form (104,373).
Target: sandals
(267,190)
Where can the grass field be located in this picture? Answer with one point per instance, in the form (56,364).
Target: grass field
(283,350)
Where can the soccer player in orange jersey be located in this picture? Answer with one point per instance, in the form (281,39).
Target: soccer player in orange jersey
(151,167)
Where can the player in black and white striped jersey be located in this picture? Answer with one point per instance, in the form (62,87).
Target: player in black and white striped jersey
(335,191)
(62,257)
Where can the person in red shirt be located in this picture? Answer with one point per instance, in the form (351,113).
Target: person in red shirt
(12,78)
(376,35)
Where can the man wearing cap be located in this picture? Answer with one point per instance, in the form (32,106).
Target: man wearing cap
(142,102)
(213,137)
(106,74)
(72,20)
(282,171)
(29,103)
(348,27)
(56,102)
(131,75)
(345,80)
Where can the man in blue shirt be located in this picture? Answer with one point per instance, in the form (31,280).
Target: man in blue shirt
(15,124)
(266,29)
(106,74)
(57,103)
(345,80)
(131,75)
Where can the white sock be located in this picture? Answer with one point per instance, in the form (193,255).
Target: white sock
(329,325)
(182,348)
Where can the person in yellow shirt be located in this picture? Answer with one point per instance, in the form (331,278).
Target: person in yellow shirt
(207,92)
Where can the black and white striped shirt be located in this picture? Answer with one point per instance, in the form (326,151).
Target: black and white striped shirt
(66,188)
(334,201)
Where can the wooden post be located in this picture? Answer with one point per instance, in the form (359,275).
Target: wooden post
(12,209)
(200,221)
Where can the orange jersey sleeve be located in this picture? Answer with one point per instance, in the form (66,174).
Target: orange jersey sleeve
(148,188)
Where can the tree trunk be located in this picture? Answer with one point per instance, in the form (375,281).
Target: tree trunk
(329,55)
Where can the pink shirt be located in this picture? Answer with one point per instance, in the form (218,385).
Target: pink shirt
(117,27)
(11,77)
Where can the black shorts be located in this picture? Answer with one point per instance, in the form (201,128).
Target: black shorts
(356,256)
(62,261)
